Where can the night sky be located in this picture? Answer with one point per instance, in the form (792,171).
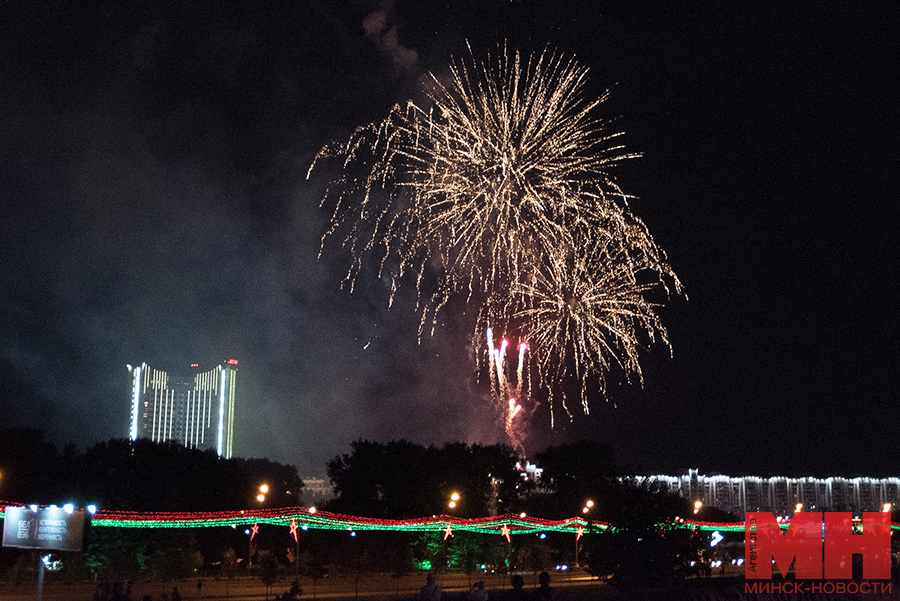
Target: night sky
(155,208)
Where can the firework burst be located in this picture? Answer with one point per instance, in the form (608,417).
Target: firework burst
(590,314)
(483,183)
(498,188)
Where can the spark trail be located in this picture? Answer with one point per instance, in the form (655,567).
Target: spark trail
(507,392)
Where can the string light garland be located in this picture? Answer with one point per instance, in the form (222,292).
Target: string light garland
(306,518)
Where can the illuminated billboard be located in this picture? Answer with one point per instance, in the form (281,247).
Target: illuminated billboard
(50,528)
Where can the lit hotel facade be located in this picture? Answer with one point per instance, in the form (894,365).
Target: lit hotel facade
(195,410)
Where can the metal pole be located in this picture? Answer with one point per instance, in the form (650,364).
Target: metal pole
(40,576)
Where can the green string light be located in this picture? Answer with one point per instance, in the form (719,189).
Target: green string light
(321,520)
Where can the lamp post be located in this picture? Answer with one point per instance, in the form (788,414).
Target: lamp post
(249,549)
(588,505)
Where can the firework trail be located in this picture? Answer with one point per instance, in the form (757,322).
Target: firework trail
(507,393)
(499,190)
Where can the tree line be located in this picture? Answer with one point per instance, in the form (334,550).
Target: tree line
(392,480)
(138,475)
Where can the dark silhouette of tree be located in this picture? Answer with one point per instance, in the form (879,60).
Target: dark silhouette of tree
(117,554)
(143,475)
(229,568)
(30,467)
(576,473)
(314,568)
(646,543)
(467,552)
(268,570)
(174,557)
(139,476)
(400,479)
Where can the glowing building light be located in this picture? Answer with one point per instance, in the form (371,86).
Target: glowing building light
(221,412)
(135,402)
(182,407)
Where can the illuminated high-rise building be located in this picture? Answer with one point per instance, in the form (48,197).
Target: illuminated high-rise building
(196,410)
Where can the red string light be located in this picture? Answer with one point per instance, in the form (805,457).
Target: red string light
(303,516)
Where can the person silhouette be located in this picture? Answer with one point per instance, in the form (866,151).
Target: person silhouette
(516,593)
(478,593)
(431,591)
(545,592)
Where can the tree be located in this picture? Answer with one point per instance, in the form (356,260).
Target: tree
(142,475)
(400,479)
(576,472)
(117,553)
(30,467)
(229,568)
(645,544)
(268,569)
(313,567)
(174,555)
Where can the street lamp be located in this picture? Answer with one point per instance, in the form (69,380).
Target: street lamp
(697,506)
(263,489)
(588,505)
(453,500)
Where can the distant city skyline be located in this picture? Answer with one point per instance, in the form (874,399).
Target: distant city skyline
(195,410)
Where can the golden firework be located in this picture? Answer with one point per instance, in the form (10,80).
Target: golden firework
(499,188)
